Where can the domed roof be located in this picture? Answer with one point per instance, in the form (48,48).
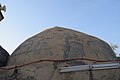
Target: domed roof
(60,43)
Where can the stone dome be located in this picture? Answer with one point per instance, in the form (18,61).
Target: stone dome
(61,43)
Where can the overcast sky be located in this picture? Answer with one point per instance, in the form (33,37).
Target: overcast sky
(25,18)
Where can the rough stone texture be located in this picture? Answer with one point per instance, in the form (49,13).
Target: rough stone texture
(59,43)
(4,56)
